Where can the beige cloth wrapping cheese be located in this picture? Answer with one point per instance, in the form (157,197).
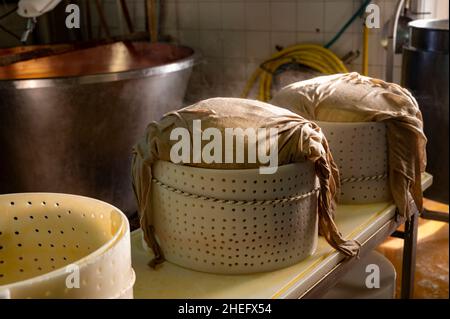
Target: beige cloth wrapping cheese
(354,98)
(298,140)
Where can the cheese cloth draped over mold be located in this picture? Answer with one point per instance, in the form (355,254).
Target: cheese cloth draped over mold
(354,98)
(298,140)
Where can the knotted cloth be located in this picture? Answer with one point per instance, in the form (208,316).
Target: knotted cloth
(351,97)
(298,140)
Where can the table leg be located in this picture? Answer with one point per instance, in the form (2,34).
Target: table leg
(437,216)
(409,256)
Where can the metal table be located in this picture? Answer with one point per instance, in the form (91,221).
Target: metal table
(369,224)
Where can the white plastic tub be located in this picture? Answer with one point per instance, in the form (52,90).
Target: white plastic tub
(235,221)
(360,150)
(63,246)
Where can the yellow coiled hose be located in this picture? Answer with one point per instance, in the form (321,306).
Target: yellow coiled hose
(311,55)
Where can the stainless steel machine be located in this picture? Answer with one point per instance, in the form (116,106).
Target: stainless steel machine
(425,73)
(68,122)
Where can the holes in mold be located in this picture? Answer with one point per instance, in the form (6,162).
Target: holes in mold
(212,231)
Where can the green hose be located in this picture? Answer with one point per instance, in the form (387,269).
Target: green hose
(358,13)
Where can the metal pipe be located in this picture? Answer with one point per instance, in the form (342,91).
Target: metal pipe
(126,14)
(103,23)
(365,55)
(392,40)
(88,19)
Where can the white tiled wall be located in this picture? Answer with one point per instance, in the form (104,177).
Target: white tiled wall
(235,36)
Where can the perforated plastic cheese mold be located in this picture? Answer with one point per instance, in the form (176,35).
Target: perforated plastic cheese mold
(63,246)
(235,221)
(361,153)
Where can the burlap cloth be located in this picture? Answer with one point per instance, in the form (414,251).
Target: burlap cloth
(298,140)
(354,98)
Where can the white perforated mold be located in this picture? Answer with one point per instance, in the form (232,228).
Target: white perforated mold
(235,221)
(360,151)
(45,238)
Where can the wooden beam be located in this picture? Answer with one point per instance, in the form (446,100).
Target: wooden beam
(152,21)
